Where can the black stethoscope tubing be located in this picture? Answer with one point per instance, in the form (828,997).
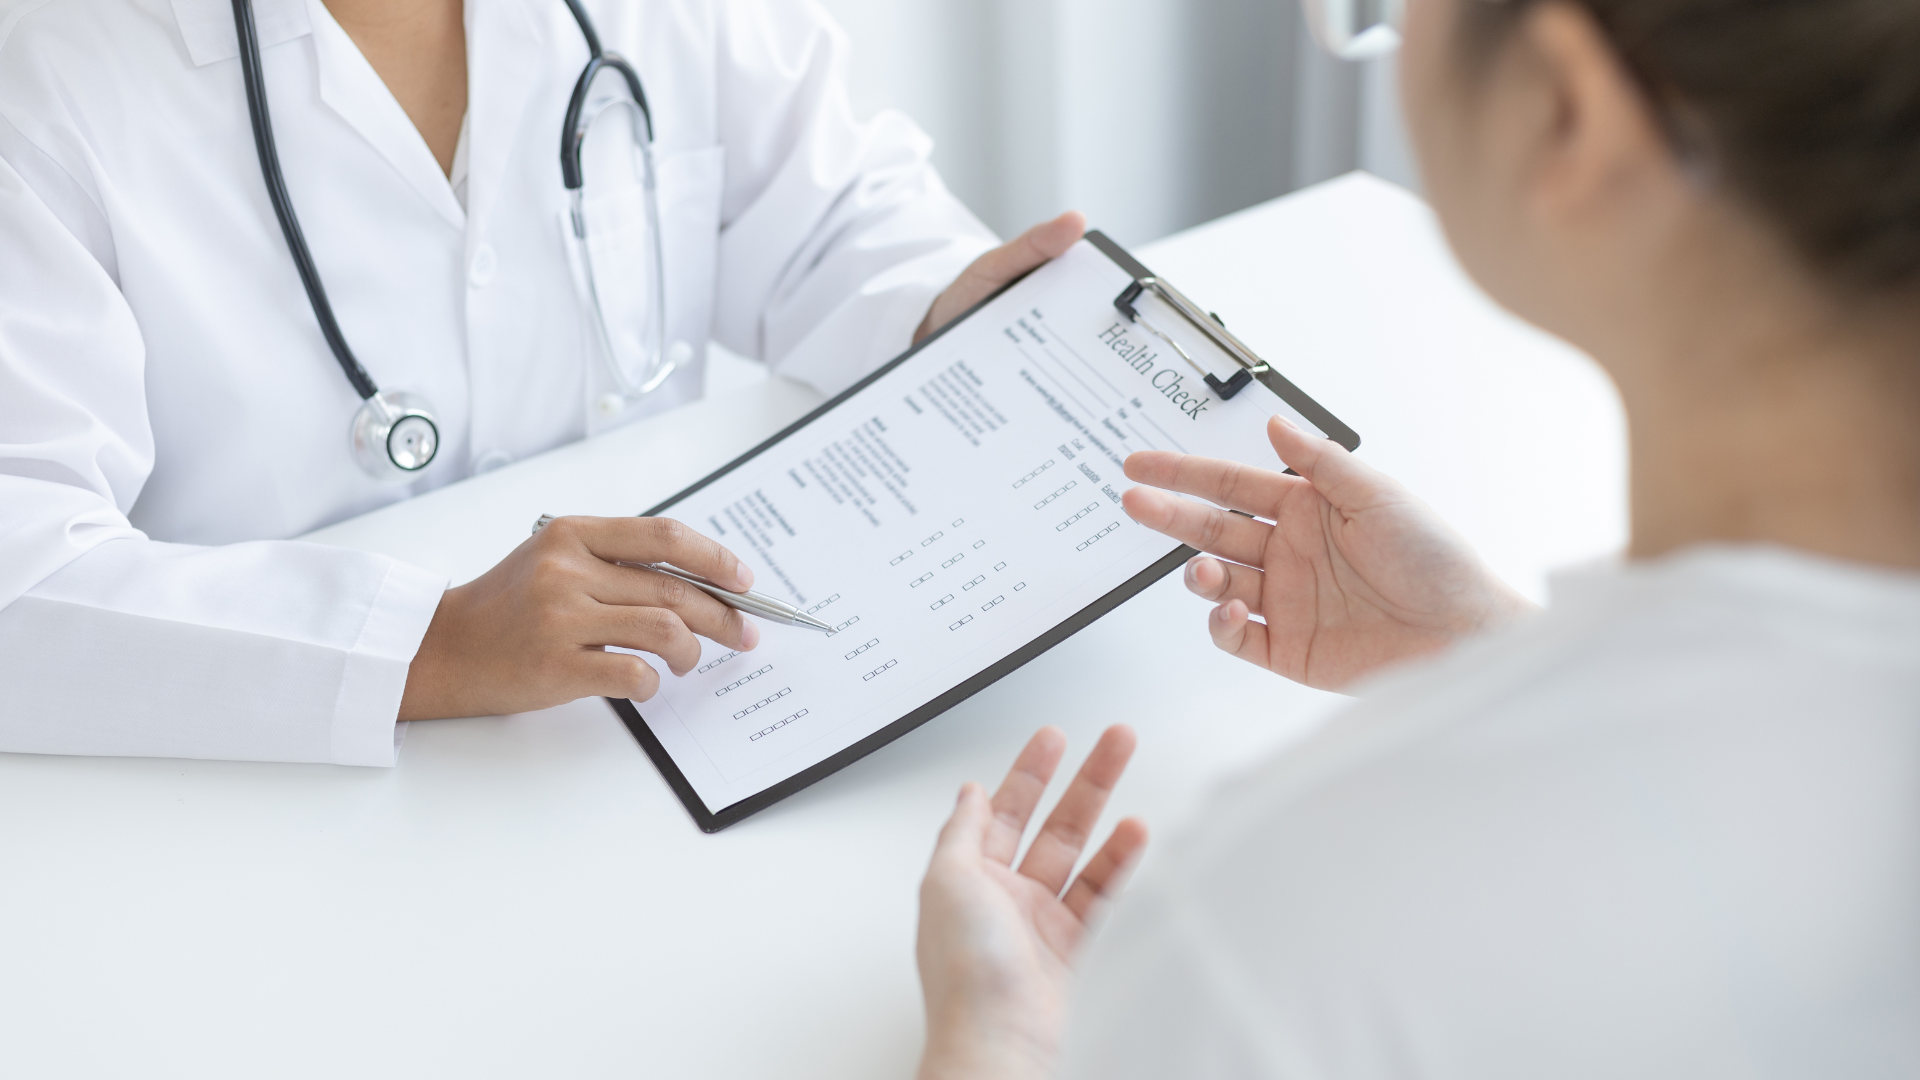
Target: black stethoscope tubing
(363,383)
(572,135)
(571,140)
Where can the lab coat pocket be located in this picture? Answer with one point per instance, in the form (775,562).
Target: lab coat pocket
(691,183)
(619,251)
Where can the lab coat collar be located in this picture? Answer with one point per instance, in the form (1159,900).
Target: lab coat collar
(350,87)
(207,26)
(348,84)
(506,43)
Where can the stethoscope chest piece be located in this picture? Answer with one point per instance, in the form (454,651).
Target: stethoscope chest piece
(395,436)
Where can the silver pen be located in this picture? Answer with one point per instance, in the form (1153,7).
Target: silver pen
(753,603)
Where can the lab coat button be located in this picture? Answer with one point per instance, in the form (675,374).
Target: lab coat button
(610,404)
(490,461)
(480,271)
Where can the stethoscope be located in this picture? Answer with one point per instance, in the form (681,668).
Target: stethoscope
(394,433)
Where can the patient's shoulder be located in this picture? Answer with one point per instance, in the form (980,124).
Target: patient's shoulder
(1581,827)
(1740,643)
(1715,696)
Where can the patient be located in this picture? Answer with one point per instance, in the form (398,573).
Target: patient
(1671,826)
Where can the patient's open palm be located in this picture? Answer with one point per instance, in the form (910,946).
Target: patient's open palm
(998,937)
(1354,573)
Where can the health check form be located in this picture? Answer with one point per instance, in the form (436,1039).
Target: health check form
(957,508)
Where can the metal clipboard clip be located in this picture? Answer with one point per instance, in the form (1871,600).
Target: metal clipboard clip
(1206,322)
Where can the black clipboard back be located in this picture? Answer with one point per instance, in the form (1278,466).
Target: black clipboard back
(710,820)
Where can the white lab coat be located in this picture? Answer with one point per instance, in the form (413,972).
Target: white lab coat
(169,413)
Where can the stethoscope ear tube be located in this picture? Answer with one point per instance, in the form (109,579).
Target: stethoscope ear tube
(573,133)
(581,114)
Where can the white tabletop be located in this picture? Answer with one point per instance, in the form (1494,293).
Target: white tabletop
(524,896)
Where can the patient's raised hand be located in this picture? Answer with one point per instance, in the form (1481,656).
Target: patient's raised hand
(998,939)
(1353,574)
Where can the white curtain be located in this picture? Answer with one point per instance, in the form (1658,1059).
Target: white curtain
(1149,115)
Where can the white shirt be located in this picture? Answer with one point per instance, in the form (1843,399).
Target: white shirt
(169,413)
(1669,829)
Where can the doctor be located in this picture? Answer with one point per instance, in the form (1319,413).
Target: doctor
(230,234)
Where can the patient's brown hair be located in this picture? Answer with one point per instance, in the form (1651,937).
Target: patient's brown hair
(1806,110)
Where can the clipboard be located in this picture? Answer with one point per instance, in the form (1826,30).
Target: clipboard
(1129,305)
(1214,328)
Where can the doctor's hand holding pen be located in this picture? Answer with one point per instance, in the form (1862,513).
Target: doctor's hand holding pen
(1353,574)
(533,631)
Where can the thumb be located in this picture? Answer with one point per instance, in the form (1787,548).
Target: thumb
(1340,478)
(1047,240)
(1042,243)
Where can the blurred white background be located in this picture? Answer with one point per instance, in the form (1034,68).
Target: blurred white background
(1149,115)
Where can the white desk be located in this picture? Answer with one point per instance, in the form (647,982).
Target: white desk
(524,897)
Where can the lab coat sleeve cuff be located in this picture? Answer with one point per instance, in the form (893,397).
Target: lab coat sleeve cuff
(368,709)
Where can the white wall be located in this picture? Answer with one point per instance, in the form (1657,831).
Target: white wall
(1150,115)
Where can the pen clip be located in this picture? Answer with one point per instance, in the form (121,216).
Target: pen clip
(1207,323)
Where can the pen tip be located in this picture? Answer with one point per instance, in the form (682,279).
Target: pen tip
(807,620)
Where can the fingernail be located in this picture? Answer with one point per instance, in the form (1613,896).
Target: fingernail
(1290,424)
(743,574)
(749,636)
(1192,575)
